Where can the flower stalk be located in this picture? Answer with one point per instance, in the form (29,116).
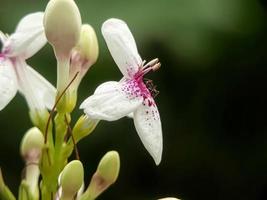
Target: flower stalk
(5,192)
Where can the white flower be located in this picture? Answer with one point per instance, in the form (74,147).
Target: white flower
(15,74)
(130,96)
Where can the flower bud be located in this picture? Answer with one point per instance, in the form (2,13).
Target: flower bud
(71,179)
(88,44)
(83,56)
(109,167)
(106,174)
(31,145)
(31,148)
(83,127)
(80,192)
(39,117)
(62,22)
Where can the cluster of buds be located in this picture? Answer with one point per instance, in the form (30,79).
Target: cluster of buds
(75,46)
(71,182)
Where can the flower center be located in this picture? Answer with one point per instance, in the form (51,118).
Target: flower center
(137,87)
(153,65)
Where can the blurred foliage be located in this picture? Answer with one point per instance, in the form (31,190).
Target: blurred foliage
(213,85)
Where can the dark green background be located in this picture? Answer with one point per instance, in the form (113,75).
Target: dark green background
(213,85)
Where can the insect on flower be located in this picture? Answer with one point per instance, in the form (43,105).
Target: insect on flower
(130,96)
(151,87)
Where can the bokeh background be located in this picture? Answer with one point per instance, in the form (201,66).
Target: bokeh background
(213,85)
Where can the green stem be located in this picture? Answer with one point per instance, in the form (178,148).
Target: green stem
(50,177)
(5,192)
(87,196)
(32,177)
(24,191)
(63,67)
(55,159)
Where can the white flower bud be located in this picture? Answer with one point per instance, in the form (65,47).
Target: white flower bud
(62,22)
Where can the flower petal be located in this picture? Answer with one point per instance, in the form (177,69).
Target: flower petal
(30,21)
(148,125)
(38,92)
(3,37)
(43,89)
(8,83)
(28,38)
(130,115)
(110,102)
(122,46)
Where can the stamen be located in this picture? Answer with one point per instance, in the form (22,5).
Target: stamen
(151,63)
(156,66)
(144,61)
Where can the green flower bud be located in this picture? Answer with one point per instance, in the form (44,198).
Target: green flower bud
(71,179)
(83,56)
(83,127)
(39,117)
(106,174)
(31,145)
(109,167)
(62,22)
(88,44)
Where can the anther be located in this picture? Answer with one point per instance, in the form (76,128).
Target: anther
(156,66)
(151,63)
(144,61)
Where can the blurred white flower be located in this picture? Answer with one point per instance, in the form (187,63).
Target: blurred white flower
(130,96)
(15,74)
